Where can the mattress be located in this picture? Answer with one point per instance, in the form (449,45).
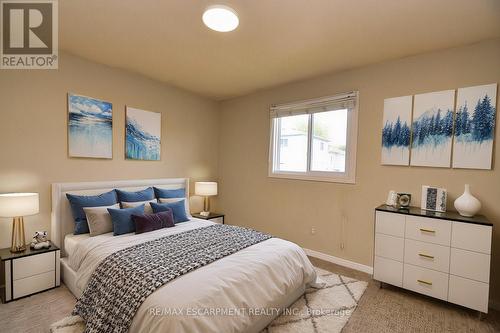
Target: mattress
(71,241)
(267,275)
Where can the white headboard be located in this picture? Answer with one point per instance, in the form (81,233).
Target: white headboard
(62,222)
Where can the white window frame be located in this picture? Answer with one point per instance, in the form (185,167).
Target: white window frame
(349,176)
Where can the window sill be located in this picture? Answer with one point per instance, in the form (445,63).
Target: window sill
(316,178)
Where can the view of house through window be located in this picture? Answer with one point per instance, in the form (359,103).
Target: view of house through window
(328,148)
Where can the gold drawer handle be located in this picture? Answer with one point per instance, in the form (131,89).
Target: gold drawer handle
(428,230)
(426,256)
(425,282)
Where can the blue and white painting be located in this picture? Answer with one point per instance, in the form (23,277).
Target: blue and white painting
(142,135)
(396,132)
(475,127)
(90,127)
(432,129)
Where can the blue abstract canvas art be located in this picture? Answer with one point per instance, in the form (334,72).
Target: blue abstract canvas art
(475,127)
(396,132)
(142,135)
(432,129)
(90,127)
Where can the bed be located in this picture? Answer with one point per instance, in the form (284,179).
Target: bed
(244,289)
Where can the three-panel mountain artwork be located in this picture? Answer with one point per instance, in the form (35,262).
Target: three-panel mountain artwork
(431,130)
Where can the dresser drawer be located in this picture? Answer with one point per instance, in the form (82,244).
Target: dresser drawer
(389,271)
(426,281)
(469,293)
(33,265)
(471,265)
(34,284)
(389,247)
(427,255)
(473,237)
(390,224)
(429,230)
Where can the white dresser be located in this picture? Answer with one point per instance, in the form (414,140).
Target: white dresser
(443,255)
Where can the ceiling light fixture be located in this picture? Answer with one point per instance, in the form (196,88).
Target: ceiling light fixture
(221,18)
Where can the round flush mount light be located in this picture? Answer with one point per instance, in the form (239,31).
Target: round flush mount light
(221,18)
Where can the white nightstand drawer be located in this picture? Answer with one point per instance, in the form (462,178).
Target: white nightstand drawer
(427,255)
(472,237)
(389,271)
(428,230)
(217,220)
(33,265)
(472,294)
(390,224)
(471,265)
(389,247)
(426,281)
(34,284)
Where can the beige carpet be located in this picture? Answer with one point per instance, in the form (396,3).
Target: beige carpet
(389,309)
(319,310)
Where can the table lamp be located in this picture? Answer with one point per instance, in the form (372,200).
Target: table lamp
(205,189)
(17,205)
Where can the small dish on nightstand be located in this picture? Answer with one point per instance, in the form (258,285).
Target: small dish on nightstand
(214,217)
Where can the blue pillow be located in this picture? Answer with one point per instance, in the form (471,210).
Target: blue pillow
(78,202)
(167,194)
(143,195)
(178,209)
(122,219)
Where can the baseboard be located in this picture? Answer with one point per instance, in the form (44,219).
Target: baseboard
(493,304)
(340,261)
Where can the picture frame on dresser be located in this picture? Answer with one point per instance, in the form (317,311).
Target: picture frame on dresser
(441,255)
(29,272)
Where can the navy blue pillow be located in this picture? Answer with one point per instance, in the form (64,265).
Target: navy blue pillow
(78,202)
(143,195)
(122,219)
(178,209)
(167,194)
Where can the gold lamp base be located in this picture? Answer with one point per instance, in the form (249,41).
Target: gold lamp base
(18,241)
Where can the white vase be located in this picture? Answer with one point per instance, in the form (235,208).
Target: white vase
(467,205)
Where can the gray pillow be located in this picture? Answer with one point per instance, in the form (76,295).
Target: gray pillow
(147,205)
(99,220)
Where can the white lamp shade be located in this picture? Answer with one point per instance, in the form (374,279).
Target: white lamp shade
(18,204)
(205,188)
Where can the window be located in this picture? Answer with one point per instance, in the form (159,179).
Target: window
(315,139)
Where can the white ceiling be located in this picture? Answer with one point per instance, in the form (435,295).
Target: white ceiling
(278,41)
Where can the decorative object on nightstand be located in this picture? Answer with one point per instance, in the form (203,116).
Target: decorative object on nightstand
(40,240)
(434,198)
(205,189)
(467,204)
(17,205)
(28,272)
(214,217)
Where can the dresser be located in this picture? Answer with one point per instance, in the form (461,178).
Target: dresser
(442,255)
(28,272)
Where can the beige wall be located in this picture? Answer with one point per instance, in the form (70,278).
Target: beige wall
(33,149)
(289,208)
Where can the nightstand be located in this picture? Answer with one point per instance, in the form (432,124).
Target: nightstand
(29,272)
(214,217)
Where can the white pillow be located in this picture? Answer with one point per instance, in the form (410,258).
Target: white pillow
(99,220)
(147,205)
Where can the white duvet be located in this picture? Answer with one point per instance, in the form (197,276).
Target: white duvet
(237,293)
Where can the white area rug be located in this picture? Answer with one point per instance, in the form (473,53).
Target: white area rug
(319,310)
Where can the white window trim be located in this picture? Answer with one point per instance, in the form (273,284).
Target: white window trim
(347,177)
